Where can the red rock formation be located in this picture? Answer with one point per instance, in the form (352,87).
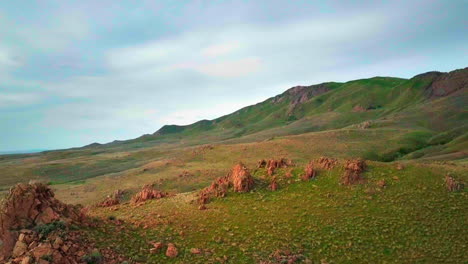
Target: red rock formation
(147,193)
(273,164)
(310,173)
(218,188)
(353,170)
(452,184)
(241,179)
(326,163)
(34,224)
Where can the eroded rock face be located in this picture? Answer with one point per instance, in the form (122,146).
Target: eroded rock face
(30,205)
(448,83)
(353,171)
(147,193)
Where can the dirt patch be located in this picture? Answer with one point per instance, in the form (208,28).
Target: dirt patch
(353,171)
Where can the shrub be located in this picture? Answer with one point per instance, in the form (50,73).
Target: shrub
(46,229)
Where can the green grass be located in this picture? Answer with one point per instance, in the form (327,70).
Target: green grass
(412,220)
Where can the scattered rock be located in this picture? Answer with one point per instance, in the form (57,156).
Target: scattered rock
(381,183)
(171,251)
(452,184)
(353,170)
(195,251)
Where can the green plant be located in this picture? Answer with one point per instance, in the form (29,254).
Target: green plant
(46,229)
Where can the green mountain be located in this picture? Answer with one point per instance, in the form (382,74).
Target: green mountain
(432,105)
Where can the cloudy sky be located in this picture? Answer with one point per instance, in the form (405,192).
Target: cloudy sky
(77,72)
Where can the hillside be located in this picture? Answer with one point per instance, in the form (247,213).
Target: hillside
(404,202)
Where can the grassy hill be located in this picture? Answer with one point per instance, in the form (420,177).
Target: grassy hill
(420,123)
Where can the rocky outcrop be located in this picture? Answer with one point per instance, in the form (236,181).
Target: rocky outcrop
(301,94)
(30,205)
(34,228)
(353,171)
(239,179)
(443,84)
(147,193)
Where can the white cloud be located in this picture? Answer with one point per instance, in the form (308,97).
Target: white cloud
(220,49)
(235,68)
(18,99)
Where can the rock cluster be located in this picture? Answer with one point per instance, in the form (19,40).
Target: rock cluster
(353,170)
(147,193)
(272,164)
(239,179)
(34,228)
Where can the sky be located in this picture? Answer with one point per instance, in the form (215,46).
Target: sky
(77,72)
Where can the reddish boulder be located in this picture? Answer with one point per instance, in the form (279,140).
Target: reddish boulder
(171,251)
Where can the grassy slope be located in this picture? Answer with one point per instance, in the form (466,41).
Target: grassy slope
(412,220)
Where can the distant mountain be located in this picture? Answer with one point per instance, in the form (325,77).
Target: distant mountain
(386,101)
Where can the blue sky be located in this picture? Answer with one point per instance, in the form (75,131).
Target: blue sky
(77,72)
